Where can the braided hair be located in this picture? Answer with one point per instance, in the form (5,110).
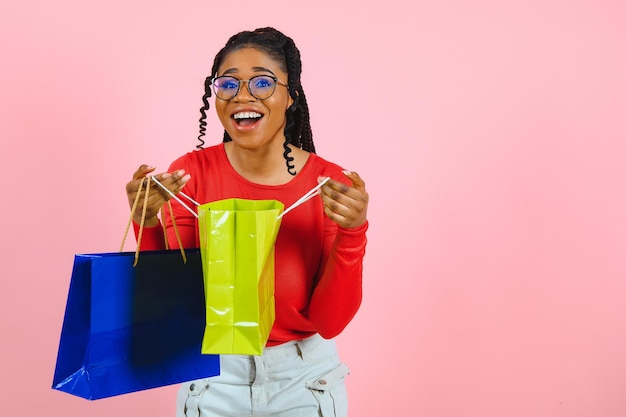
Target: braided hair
(283,50)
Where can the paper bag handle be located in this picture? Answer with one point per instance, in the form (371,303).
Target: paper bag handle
(143,218)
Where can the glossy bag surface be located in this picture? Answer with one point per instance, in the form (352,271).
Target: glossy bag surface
(237,240)
(129,328)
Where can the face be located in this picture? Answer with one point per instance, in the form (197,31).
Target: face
(250,122)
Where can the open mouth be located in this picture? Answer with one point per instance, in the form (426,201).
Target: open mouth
(246,118)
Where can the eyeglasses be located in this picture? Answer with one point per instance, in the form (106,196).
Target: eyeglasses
(260,87)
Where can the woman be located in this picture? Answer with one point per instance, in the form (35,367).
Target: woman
(268,153)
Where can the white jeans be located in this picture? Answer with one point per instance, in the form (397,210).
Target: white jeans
(296,379)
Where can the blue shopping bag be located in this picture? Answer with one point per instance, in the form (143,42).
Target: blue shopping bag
(129,328)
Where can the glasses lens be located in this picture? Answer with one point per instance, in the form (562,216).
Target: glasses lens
(226,87)
(262,86)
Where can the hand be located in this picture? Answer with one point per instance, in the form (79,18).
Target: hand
(157,196)
(345,205)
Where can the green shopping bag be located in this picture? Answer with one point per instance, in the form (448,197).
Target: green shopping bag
(237,239)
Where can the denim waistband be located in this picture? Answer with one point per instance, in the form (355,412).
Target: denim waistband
(314,347)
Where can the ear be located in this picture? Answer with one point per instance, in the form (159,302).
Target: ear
(291,101)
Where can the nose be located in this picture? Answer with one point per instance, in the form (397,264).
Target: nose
(244,92)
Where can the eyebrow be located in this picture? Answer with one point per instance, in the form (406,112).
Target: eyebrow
(255,69)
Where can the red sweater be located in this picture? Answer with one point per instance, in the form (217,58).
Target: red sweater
(318,264)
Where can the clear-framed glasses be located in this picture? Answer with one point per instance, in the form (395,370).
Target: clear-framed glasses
(260,87)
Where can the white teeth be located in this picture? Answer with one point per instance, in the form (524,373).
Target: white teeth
(247,115)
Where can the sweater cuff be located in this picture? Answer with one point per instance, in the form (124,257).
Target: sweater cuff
(353,236)
(355,231)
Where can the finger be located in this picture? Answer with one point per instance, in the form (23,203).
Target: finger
(346,195)
(335,202)
(334,185)
(355,178)
(344,209)
(344,218)
(132,187)
(348,210)
(174,181)
(142,171)
(170,184)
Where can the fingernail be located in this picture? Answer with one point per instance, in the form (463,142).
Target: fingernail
(320,179)
(186,178)
(149,167)
(346,172)
(166,175)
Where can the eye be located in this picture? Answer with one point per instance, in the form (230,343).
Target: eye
(227,83)
(262,82)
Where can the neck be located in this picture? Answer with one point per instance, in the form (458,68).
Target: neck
(262,166)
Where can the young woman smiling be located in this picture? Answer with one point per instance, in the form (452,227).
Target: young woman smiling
(268,153)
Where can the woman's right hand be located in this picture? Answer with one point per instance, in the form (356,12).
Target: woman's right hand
(157,197)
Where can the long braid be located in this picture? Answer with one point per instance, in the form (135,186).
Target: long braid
(292,115)
(282,49)
(207,94)
(203,110)
(306,135)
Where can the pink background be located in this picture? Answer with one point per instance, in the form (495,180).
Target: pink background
(492,138)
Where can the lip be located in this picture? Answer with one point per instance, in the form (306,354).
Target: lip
(246,109)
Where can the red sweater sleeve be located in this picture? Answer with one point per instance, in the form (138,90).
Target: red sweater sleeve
(151,237)
(338,293)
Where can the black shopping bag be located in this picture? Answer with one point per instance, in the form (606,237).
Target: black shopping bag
(132,328)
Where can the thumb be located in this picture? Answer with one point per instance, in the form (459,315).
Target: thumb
(355,178)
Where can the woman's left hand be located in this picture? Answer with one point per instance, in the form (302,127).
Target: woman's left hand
(345,205)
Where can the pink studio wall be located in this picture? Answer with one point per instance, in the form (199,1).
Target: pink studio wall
(492,138)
